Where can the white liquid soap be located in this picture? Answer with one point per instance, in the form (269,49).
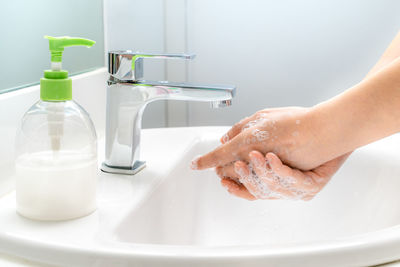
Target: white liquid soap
(56,185)
(56,148)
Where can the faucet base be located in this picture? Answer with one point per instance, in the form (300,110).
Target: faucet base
(137,167)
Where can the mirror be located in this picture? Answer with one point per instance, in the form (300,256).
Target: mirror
(23,50)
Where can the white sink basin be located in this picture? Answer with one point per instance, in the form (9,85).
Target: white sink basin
(192,209)
(169,215)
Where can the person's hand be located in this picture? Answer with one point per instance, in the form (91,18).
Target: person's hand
(290,133)
(268,178)
(283,131)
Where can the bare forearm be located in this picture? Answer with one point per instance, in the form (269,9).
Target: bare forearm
(390,54)
(365,113)
(357,106)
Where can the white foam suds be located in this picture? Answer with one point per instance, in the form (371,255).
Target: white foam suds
(258,186)
(252,123)
(225,138)
(260,135)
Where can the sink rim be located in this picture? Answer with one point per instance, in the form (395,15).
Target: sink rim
(386,238)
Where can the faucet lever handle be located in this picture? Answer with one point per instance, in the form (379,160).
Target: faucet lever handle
(138,55)
(128,65)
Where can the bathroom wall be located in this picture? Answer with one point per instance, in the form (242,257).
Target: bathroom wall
(287,52)
(276,52)
(25,53)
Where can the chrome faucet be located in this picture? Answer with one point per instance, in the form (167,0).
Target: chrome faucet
(127,96)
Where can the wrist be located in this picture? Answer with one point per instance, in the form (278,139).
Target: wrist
(307,146)
(326,132)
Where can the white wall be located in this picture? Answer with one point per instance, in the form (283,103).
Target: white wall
(282,53)
(277,53)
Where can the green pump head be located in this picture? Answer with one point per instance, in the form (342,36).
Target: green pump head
(56,86)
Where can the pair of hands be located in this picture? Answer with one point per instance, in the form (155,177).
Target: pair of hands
(273,154)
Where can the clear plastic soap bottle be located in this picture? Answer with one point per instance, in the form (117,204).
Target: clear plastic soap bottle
(56,148)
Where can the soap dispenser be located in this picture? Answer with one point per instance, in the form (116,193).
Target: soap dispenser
(56,148)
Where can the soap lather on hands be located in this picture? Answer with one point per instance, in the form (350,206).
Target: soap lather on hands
(249,161)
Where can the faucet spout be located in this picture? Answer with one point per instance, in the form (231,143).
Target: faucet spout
(191,92)
(221,104)
(126,101)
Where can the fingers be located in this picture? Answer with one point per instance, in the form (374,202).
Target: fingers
(235,130)
(252,183)
(227,171)
(268,178)
(237,189)
(222,155)
(262,169)
(246,178)
(260,164)
(292,179)
(250,121)
(277,186)
(277,165)
(281,180)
